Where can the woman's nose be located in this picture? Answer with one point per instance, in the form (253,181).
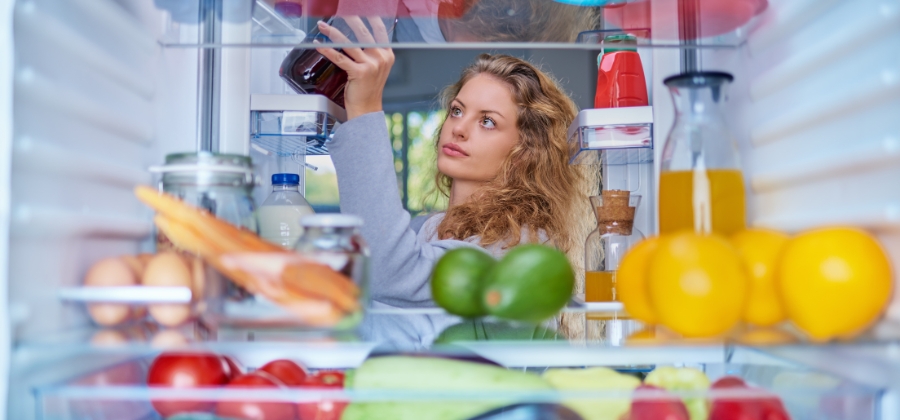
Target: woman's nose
(459,131)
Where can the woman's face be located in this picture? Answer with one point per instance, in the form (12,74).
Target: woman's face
(480,131)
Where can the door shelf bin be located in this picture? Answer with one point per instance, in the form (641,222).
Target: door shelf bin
(289,125)
(610,128)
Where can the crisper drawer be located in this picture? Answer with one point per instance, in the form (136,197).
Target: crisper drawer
(410,391)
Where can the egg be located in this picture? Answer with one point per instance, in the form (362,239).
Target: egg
(108,338)
(105,273)
(168,269)
(169,338)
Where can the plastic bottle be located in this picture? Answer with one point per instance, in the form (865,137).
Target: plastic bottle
(620,75)
(279,215)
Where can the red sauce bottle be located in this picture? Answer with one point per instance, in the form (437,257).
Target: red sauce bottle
(620,75)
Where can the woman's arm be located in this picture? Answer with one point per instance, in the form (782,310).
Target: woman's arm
(401,260)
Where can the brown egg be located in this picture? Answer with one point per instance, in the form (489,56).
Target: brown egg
(108,338)
(168,269)
(105,273)
(168,338)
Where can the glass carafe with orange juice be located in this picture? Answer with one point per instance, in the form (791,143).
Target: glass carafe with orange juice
(606,246)
(701,186)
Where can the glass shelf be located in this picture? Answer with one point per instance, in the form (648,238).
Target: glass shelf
(467,24)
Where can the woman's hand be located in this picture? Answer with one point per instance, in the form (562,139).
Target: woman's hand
(367,69)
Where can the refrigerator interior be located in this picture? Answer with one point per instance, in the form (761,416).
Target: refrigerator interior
(94,92)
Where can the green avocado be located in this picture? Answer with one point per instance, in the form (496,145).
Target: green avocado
(458,280)
(478,330)
(531,283)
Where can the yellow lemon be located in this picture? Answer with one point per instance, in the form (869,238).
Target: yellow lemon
(834,282)
(631,280)
(697,284)
(760,249)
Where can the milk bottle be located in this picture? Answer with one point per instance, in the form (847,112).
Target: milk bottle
(279,215)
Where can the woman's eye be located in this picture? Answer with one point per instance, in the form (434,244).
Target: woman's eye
(487,122)
(456,112)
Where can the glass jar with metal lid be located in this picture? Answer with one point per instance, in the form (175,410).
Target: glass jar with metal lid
(221,184)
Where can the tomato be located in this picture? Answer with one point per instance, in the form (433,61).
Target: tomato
(324,409)
(255,410)
(766,406)
(326,379)
(186,370)
(654,403)
(287,371)
(729,382)
(234,368)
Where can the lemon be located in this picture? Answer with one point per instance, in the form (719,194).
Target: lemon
(760,249)
(834,282)
(697,284)
(631,280)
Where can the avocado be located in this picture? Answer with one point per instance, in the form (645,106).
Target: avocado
(457,281)
(531,283)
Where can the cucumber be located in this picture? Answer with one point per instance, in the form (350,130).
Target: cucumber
(429,374)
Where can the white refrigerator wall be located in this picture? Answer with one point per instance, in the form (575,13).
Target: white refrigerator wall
(96,100)
(817,110)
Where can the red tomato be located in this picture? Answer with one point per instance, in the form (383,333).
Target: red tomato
(326,379)
(185,370)
(234,368)
(653,403)
(729,382)
(255,410)
(287,371)
(765,406)
(325,409)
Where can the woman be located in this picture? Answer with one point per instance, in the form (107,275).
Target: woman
(502,161)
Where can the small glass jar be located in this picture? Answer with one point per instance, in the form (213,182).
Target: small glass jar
(603,251)
(605,246)
(334,239)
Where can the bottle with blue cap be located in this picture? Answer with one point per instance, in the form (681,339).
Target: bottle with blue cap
(279,215)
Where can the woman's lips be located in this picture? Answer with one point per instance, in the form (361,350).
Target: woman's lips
(453,150)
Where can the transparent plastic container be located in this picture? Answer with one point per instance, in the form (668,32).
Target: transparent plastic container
(119,391)
(280,214)
(701,186)
(320,289)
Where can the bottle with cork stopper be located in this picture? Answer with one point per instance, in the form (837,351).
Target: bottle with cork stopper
(605,247)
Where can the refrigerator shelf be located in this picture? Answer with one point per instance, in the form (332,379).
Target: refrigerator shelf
(711,27)
(125,294)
